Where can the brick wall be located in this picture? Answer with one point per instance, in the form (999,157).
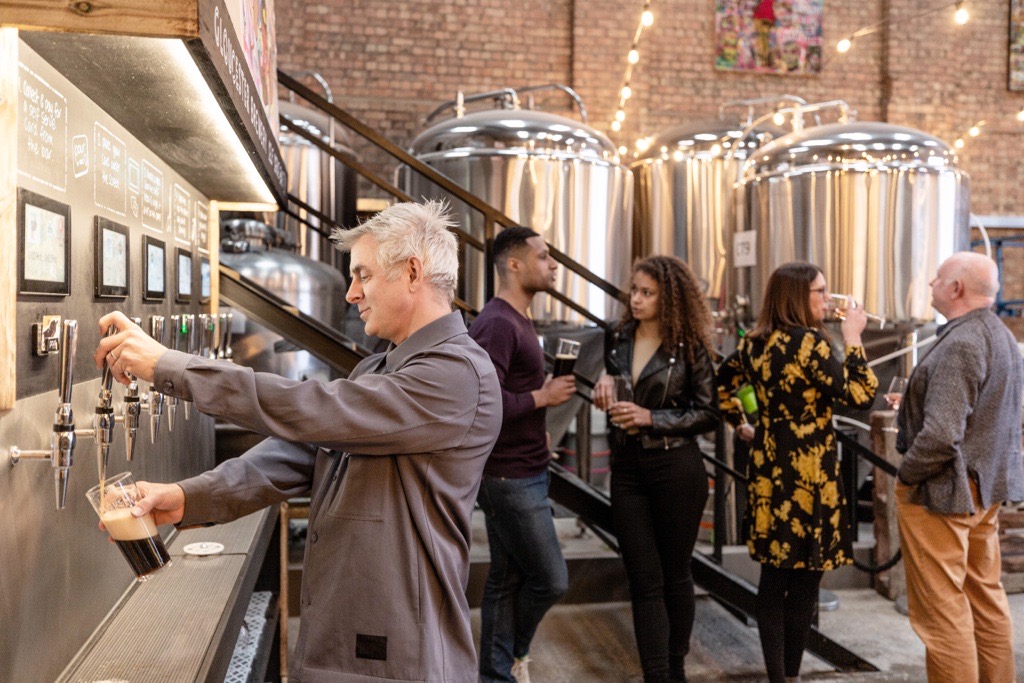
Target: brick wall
(391,63)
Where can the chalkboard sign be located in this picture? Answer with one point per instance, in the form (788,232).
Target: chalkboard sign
(154,269)
(44,245)
(183,276)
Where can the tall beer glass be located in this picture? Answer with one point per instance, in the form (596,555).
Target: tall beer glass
(136,537)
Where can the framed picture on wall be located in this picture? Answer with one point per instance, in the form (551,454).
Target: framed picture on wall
(183,276)
(154,269)
(113,265)
(205,284)
(769,36)
(44,245)
(1016,52)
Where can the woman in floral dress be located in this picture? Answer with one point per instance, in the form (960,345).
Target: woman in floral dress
(795,520)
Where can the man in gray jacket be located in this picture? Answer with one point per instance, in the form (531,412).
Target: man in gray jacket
(391,458)
(960,432)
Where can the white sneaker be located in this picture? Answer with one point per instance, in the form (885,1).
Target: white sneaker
(521,670)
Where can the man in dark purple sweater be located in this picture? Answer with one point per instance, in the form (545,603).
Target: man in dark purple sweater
(527,574)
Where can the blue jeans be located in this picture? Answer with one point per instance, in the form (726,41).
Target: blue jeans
(527,574)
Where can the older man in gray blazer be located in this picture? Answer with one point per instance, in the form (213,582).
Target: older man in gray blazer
(391,458)
(960,432)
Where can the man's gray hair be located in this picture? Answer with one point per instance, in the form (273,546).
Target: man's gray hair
(406,230)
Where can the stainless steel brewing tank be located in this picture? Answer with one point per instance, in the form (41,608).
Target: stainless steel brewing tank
(683,188)
(877,207)
(553,174)
(313,287)
(317,179)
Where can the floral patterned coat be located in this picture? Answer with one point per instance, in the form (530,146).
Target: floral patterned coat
(796,513)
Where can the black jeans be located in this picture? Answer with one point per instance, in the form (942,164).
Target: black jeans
(658,499)
(786,602)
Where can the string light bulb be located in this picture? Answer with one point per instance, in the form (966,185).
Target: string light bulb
(1020,115)
(626,92)
(974,131)
(622,150)
(642,144)
(620,116)
(779,118)
(959,144)
(616,126)
(962,16)
(634,56)
(647,18)
(844,45)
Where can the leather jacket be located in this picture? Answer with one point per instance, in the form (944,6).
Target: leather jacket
(680,395)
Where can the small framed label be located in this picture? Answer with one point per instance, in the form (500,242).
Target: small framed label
(154,269)
(205,283)
(183,275)
(113,267)
(744,248)
(44,245)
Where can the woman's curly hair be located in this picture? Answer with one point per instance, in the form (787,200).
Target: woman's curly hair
(683,314)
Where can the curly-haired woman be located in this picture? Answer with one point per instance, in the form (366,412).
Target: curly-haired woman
(795,520)
(658,482)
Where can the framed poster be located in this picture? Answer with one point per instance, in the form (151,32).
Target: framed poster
(154,269)
(1016,51)
(769,36)
(44,245)
(113,266)
(183,276)
(205,284)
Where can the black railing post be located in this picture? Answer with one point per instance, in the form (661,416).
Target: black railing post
(721,485)
(489,233)
(583,450)
(849,470)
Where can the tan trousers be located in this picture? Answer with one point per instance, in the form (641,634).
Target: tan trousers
(956,601)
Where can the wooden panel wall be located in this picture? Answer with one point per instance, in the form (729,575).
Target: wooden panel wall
(8,212)
(158,18)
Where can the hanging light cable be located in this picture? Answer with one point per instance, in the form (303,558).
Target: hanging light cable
(961,16)
(632,58)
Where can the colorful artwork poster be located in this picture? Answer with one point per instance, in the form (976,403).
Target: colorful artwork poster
(769,36)
(1017,46)
(259,44)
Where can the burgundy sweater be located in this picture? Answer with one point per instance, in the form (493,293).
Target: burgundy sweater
(511,341)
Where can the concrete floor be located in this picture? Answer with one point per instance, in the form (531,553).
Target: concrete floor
(594,643)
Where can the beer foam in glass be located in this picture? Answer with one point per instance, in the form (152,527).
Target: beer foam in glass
(136,537)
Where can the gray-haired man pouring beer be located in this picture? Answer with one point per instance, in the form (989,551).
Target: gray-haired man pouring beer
(391,458)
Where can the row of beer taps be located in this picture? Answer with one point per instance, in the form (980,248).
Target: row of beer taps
(209,337)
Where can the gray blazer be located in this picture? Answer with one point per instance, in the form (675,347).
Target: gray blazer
(393,465)
(961,418)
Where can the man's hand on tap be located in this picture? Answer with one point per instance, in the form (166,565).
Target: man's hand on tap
(129,351)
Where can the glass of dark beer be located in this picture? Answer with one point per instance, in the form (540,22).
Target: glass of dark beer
(136,537)
(565,357)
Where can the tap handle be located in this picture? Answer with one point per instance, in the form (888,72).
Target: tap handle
(204,335)
(156,327)
(107,383)
(215,337)
(193,340)
(176,331)
(68,347)
(226,319)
